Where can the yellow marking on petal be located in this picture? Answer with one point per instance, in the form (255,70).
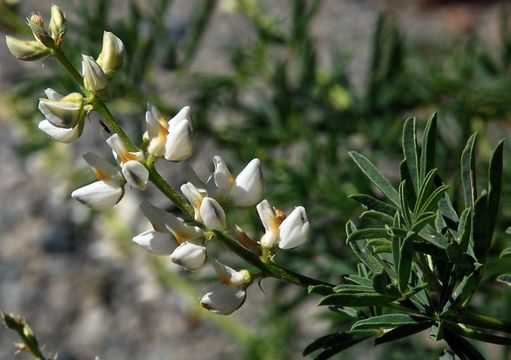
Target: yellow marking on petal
(224,280)
(232,181)
(127,156)
(182,236)
(101,175)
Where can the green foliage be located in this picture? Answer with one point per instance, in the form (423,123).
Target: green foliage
(434,257)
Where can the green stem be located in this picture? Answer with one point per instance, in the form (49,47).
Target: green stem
(62,58)
(268,268)
(169,191)
(112,124)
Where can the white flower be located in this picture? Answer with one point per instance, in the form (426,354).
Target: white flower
(207,210)
(112,54)
(63,111)
(171,139)
(134,172)
(158,241)
(189,255)
(230,277)
(243,191)
(223,300)
(212,214)
(94,79)
(169,231)
(106,192)
(100,195)
(286,233)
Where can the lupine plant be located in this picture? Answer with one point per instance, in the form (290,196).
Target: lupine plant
(422,254)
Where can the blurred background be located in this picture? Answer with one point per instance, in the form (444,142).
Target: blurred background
(297,84)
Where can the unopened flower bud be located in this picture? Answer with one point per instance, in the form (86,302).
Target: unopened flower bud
(94,78)
(57,24)
(189,255)
(223,300)
(36,24)
(100,195)
(26,50)
(212,214)
(12,321)
(112,54)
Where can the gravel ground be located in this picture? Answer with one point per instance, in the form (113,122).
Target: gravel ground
(87,294)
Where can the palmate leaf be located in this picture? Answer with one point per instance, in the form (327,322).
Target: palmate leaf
(375,176)
(335,343)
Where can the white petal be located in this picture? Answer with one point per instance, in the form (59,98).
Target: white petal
(156,114)
(100,195)
(179,145)
(60,134)
(189,255)
(229,276)
(181,231)
(221,182)
(155,242)
(94,78)
(156,133)
(135,174)
(117,145)
(102,168)
(223,300)
(248,189)
(266,214)
(294,230)
(212,214)
(183,114)
(156,216)
(60,113)
(112,53)
(52,94)
(194,197)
